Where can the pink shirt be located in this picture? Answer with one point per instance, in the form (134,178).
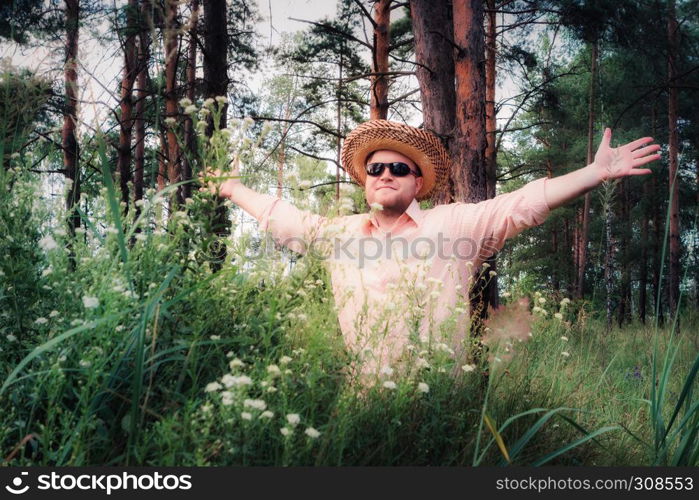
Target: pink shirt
(404,290)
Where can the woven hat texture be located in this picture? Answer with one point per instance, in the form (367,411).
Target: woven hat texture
(422,147)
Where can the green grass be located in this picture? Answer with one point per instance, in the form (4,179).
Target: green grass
(108,361)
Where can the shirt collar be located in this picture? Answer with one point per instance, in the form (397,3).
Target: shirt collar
(412,212)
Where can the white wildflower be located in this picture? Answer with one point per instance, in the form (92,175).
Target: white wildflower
(226,398)
(564,338)
(468,368)
(389,384)
(235,363)
(53,314)
(293,419)
(376,207)
(246,415)
(90,302)
(10,337)
(284,360)
(422,363)
(48,243)
(213,387)
(387,370)
(565,354)
(286,431)
(257,404)
(274,370)
(266,414)
(41,321)
(423,387)
(312,433)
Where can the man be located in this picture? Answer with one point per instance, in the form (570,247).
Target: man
(400,274)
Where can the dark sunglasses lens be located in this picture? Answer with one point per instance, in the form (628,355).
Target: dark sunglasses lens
(399,169)
(374,169)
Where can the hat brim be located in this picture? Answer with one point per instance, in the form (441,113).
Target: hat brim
(422,147)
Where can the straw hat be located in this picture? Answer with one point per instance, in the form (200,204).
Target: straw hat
(422,147)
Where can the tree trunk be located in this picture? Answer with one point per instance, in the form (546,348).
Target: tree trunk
(584,217)
(673,147)
(468,147)
(171,40)
(625,292)
(338,124)
(126,104)
(379,83)
(140,94)
(608,264)
(189,133)
(491,128)
(69,142)
(643,265)
(216,55)
(433,32)
(657,261)
(216,84)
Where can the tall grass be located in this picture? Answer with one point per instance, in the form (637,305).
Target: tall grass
(140,354)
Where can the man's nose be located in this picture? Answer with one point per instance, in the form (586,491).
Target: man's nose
(386,175)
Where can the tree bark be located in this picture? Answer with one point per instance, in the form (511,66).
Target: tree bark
(673,147)
(625,292)
(216,84)
(468,148)
(126,103)
(433,32)
(171,40)
(379,84)
(69,140)
(189,133)
(140,95)
(584,216)
(643,265)
(491,128)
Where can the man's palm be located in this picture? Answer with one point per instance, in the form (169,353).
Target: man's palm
(614,163)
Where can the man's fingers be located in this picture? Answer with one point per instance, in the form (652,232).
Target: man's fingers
(639,153)
(641,171)
(639,142)
(646,159)
(607,137)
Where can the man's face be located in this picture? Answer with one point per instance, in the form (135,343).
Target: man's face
(393,193)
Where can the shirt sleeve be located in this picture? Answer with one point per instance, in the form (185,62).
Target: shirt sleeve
(489,223)
(288,225)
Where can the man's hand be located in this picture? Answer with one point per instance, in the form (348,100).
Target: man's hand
(613,163)
(216,182)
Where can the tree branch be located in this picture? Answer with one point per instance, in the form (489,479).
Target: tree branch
(333,29)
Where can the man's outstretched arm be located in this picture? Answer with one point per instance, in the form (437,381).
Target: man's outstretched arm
(290,226)
(610,163)
(229,186)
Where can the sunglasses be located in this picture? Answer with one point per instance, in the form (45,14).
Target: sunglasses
(397,168)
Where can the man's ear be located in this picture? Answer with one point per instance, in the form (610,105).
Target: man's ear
(419,181)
